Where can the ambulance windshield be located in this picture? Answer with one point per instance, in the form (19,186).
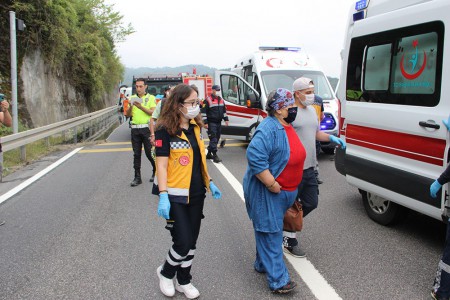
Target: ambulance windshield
(285,79)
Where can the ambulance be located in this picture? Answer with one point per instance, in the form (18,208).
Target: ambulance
(394,92)
(245,88)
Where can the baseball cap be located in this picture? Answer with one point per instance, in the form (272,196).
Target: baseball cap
(302,83)
(216,87)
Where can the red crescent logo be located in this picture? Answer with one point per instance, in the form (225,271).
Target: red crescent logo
(184,160)
(414,75)
(269,63)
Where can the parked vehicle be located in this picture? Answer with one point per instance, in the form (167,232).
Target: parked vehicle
(393,98)
(246,87)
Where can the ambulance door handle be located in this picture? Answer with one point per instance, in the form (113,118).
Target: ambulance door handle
(429,125)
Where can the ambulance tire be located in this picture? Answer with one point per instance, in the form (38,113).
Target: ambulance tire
(381,210)
(251,132)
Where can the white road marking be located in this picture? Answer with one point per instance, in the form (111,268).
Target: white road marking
(29,181)
(310,275)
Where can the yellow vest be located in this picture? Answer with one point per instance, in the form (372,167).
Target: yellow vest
(140,117)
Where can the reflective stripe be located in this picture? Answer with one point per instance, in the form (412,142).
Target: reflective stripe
(178,191)
(176,255)
(140,126)
(444,267)
(186,264)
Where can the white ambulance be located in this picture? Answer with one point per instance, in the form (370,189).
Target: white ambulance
(246,87)
(394,93)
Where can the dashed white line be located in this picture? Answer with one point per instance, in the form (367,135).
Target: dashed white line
(309,274)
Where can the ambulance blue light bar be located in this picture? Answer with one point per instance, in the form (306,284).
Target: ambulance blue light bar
(362,4)
(263,48)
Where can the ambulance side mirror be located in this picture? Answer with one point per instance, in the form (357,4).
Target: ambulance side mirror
(253,101)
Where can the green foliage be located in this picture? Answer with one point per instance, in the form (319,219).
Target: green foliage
(76,37)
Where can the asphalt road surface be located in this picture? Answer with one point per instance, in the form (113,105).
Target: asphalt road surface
(81,232)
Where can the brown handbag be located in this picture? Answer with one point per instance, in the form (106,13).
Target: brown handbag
(293,218)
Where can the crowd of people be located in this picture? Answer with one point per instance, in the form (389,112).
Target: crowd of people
(282,169)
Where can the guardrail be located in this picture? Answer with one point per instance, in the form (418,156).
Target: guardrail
(91,124)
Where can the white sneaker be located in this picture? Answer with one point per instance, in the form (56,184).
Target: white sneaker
(189,290)
(165,284)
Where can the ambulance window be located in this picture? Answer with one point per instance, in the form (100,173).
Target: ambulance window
(378,63)
(415,61)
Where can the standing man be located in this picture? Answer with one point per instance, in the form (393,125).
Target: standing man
(5,119)
(215,111)
(141,108)
(306,124)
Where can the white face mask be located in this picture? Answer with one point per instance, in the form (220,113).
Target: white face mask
(309,99)
(192,112)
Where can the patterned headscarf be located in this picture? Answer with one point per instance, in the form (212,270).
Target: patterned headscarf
(281,99)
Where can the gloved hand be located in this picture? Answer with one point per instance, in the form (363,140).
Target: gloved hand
(335,139)
(215,190)
(434,188)
(164,206)
(447,123)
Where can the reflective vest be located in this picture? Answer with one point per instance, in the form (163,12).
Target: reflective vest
(139,116)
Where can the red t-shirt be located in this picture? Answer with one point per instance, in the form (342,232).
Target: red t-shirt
(291,175)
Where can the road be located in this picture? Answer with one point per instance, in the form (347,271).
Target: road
(81,232)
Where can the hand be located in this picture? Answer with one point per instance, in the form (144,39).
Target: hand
(276,188)
(138,105)
(335,139)
(152,140)
(226,123)
(164,206)
(434,188)
(215,190)
(4,105)
(206,126)
(447,123)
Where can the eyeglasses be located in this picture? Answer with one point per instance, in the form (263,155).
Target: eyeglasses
(194,103)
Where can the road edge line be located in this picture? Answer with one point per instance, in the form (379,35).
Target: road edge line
(29,181)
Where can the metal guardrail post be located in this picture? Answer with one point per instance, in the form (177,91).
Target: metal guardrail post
(23,153)
(75,135)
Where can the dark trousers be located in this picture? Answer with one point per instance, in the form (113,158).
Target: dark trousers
(441,284)
(213,135)
(186,219)
(139,137)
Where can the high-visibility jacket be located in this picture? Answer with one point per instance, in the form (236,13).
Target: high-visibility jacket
(179,168)
(139,116)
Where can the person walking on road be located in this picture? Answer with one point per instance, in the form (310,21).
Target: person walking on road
(275,155)
(182,180)
(6,120)
(441,285)
(141,108)
(307,127)
(215,112)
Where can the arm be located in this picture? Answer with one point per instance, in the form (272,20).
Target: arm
(225,116)
(161,166)
(152,131)
(5,116)
(269,181)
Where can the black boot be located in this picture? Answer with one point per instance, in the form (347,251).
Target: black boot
(216,159)
(209,155)
(137,178)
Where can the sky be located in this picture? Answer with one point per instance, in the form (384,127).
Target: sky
(218,33)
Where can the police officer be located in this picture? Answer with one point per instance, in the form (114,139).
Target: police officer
(215,111)
(140,109)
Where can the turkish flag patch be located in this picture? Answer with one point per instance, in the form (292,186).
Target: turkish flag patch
(158,143)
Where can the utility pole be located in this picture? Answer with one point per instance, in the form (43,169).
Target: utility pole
(12,25)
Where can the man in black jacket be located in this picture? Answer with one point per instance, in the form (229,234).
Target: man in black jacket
(215,111)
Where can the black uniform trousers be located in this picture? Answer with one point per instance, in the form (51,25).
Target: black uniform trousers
(214,129)
(139,137)
(186,219)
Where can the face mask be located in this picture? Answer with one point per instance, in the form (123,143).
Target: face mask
(309,99)
(292,113)
(192,112)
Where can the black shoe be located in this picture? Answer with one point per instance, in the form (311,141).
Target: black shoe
(209,155)
(222,143)
(136,181)
(216,159)
(295,251)
(289,287)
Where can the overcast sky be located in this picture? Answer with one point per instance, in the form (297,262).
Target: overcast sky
(218,33)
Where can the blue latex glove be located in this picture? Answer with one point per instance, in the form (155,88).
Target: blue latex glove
(335,139)
(447,123)
(164,206)
(434,188)
(215,190)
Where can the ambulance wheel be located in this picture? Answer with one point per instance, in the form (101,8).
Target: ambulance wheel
(250,134)
(381,210)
